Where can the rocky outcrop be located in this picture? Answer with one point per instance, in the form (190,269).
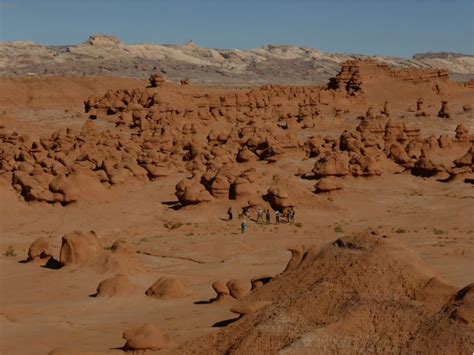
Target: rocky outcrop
(146,337)
(118,285)
(39,249)
(167,288)
(79,248)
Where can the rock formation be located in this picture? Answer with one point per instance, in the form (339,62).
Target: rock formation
(444,111)
(167,288)
(223,139)
(331,291)
(118,285)
(146,337)
(39,249)
(78,248)
(238,288)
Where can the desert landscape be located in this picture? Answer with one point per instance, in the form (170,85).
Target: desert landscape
(180,211)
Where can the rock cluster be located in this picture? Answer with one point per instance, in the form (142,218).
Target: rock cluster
(221,140)
(375,149)
(84,249)
(232,289)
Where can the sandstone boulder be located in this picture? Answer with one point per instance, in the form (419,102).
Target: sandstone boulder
(191,192)
(238,288)
(334,164)
(78,185)
(118,285)
(39,249)
(79,248)
(146,337)
(167,288)
(222,291)
(327,184)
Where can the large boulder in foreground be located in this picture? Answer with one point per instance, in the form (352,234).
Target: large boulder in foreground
(362,293)
(78,248)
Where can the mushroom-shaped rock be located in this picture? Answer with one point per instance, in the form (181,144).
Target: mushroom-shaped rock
(118,285)
(192,192)
(167,288)
(221,290)
(444,110)
(279,198)
(146,337)
(39,249)
(79,248)
(327,184)
(249,307)
(462,134)
(238,288)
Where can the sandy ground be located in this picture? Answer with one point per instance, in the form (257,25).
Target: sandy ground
(43,308)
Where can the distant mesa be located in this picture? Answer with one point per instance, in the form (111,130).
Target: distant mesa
(104,54)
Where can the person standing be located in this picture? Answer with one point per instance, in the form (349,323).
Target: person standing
(277,217)
(260,216)
(267,216)
(230,215)
(243,226)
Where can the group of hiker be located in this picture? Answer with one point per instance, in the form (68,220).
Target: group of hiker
(260,217)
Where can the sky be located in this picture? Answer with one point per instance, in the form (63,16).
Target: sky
(377,27)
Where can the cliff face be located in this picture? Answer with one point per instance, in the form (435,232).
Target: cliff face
(282,64)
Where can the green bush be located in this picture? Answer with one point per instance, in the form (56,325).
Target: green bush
(438,231)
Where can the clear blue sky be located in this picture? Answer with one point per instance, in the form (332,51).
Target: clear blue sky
(388,27)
